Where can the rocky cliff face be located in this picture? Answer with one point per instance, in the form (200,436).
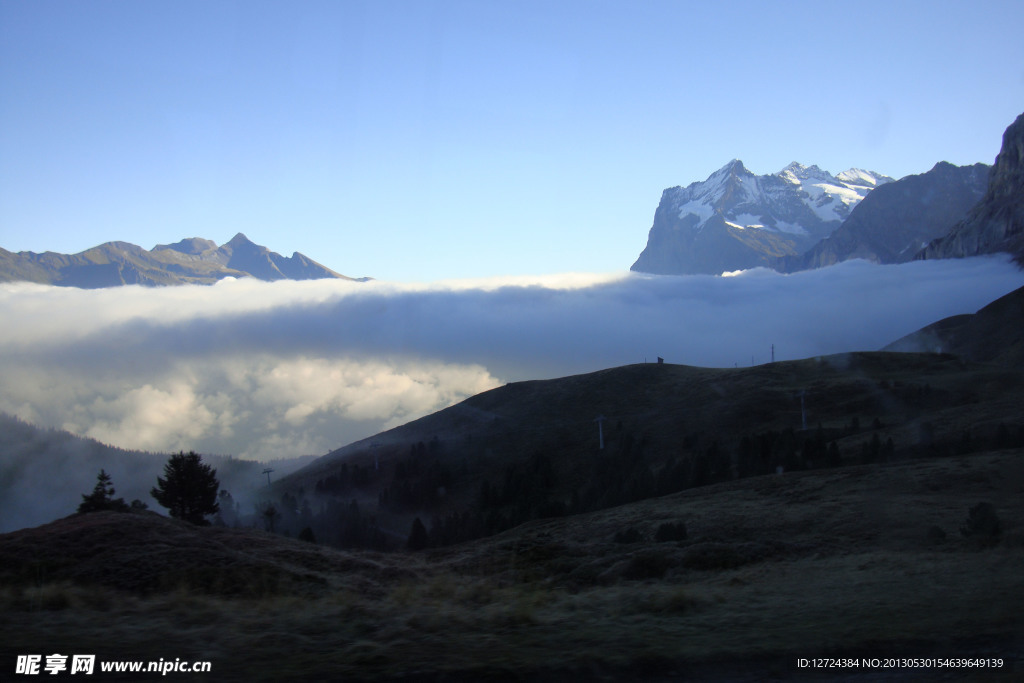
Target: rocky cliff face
(736,220)
(897,220)
(996,223)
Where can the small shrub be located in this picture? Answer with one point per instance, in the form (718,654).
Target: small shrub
(677,600)
(647,565)
(711,556)
(670,532)
(936,536)
(588,574)
(630,535)
(982,525)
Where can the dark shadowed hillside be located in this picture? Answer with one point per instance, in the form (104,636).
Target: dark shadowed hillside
(862,505)
(734,581)
(995,334)
(531,450)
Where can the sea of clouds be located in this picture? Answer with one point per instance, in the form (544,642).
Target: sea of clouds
(269,370)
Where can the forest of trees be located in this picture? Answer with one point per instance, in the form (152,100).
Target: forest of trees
(530,488)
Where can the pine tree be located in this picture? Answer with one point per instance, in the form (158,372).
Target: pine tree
(102,497)
(417,535)
(188,488)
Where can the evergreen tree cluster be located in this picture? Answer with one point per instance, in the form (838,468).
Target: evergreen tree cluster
(418,482)
(345,526)
(345,481)
(102,497)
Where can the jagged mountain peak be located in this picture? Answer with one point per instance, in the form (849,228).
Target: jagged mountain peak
(192,260)
(190,245)
(736,219)
(735,167)
(892,223)
(797,170)
(238,240)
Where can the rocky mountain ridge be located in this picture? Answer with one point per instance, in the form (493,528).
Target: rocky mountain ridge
(893,223)
(736,220)
(803,217)
(996,223)
(191,261)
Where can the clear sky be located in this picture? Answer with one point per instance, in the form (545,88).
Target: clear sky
(419,141)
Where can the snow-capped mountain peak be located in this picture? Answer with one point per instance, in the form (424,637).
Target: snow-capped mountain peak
(831,198)
(776,214)
(778,202)
(858,176)
(797,173)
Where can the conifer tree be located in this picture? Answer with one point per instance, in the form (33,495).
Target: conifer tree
(417,536)
(102,497)
(188,488)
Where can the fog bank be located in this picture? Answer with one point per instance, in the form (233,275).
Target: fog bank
(268,370)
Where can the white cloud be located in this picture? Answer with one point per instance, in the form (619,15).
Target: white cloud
(277,369)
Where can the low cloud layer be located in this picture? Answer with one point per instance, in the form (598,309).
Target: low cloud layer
(267,370)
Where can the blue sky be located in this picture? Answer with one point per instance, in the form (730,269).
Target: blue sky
(418,141)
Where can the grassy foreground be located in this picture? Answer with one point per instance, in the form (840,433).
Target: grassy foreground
(845,562)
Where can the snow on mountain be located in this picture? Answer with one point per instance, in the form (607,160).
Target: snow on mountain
(755,218)
(891,224)
(858,176)
(830,197)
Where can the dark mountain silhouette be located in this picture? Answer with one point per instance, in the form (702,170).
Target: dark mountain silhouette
(531,449)
(190,261)
(995,334)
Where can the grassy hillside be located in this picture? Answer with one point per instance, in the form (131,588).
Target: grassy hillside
(715,537)
(531,449)
(863,561)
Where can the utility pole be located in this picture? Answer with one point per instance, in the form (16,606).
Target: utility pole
(267,472)
(600,431)
(773,353)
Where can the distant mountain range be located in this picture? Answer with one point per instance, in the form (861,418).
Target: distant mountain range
(803,217)
(190,261)
(897,220)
